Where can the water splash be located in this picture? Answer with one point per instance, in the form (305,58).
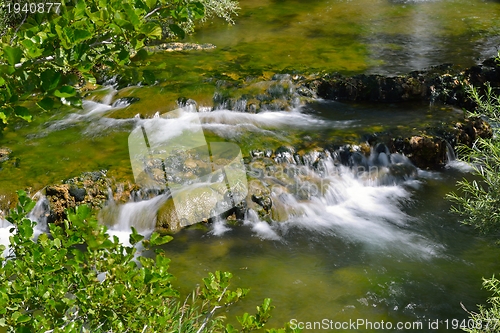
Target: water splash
(219,227)
(5,233)
(38,214)
(364,207)
(94,112)
(141,215)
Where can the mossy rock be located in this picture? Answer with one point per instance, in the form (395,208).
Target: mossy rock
(193,205)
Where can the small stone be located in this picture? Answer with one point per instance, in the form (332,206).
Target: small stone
(190,164)
(4,154)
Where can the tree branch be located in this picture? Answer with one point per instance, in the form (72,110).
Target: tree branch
(153,11)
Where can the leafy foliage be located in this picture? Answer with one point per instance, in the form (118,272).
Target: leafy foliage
(478,200)
(488,104)
(77,279)
(225,9)
(49,54)
(487,320)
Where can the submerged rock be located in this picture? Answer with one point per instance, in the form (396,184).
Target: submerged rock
(444,83)
(427,153)
(4,154)
(280,93)
(195,204)
(472,129)
(178,46)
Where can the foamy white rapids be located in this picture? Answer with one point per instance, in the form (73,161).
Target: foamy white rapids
(355,209)
(141,215)
(5,227)
(231,124)
(94,112)
(38,214)
(460,166)
(219,227)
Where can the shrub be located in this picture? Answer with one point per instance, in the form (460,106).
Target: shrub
(487,320)
(478,201)
(45,57)
(77,279)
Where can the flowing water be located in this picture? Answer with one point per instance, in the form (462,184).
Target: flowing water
(370,246)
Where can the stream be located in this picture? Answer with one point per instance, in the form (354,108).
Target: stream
(372,247)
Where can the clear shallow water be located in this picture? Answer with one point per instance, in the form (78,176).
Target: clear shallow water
(375,36)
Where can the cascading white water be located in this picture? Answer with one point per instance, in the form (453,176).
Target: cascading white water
(94,112)
(38,214)
(5,227)
(141,215)
(358,206)
(360,211)
(363,207)
(354,206)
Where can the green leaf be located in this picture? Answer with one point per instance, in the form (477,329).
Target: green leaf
(22,112)
(72,101)
(122,22)
(32,47)
(50,79)
(157,240)
(197,10)
(151,30)
(14,54)
(43,239)
(65,91)
(3,117)
(57,243)
(151,4)
(16,315)
(177,30)
(123,57)
(46,104)
(5,69)
(80,9)
(81,35)
(23,319)
(149,77)
(83,212)
(132,16)
(142,54)
(61,33)
(135,237)
(89,78)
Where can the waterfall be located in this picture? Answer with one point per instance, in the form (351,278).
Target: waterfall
(360,207)
(138,214)
(450,153)
(452,162)
(38,214)
(5,227)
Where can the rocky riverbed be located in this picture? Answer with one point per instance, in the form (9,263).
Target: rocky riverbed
(275,175)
